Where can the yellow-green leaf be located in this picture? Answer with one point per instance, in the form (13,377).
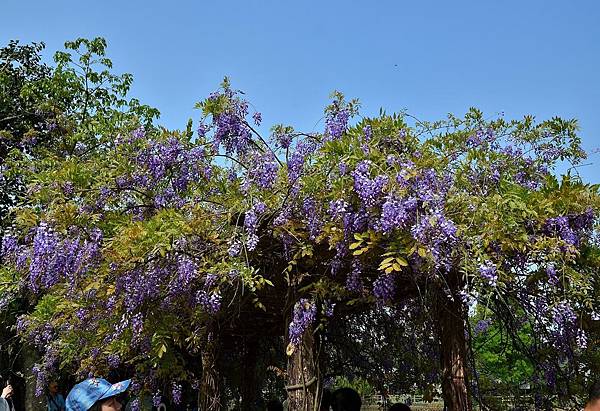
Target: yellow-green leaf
(360,251)
(162,350)
(355,245)
(290,349)
(402,261)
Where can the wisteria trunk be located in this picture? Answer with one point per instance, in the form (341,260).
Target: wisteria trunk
(31,402)
(249,383)
(303,379)
(453,352)
(211,395)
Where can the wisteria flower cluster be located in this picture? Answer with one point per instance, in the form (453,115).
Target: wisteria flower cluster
(304,315)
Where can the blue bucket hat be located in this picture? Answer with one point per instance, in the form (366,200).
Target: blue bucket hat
(86,393)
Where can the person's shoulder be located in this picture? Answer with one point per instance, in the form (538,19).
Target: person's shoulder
(4,405)
(61,399)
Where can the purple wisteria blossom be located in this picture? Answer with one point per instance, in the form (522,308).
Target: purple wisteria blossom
(230,128)
(488,272)
(560,226)
(354,281)
(570,228)
(296,161)
(563,315)
(135,404)
(113,361)
(210,302)
(429,187)
(251,224)
(176,391)
(328,308)
(367,132)
(551,273)
(9,246)
(186,272)
(257,117)
(563,327)
(437,233)
(337,208)
(336,123)
(369,190)
(282,137)
(482,326)
(52,258)
(264,171)
(395,213)
(235,247)
(202,130)
(304,315)
(384,288)
(581,339)
(137,327)
(309,207)
(156,399)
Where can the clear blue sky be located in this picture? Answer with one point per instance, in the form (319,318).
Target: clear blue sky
(430,57)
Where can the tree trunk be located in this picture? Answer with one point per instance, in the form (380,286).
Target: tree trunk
(249,380)
(211,395)
(31,402)
(453,352)
(303,379)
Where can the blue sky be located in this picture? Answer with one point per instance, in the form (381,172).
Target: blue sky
(429,57)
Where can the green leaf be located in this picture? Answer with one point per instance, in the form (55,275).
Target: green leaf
(402,261)
(360,251)
(355,245)
(387,260)
(162,350)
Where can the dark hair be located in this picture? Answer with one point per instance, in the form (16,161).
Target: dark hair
(399,407)
(98,404)
(594,391)
(274,405)
(345,399)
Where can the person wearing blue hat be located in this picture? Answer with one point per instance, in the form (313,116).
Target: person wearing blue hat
(96,394)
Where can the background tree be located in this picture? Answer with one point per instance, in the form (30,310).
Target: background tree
(42,108)
(394,349)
